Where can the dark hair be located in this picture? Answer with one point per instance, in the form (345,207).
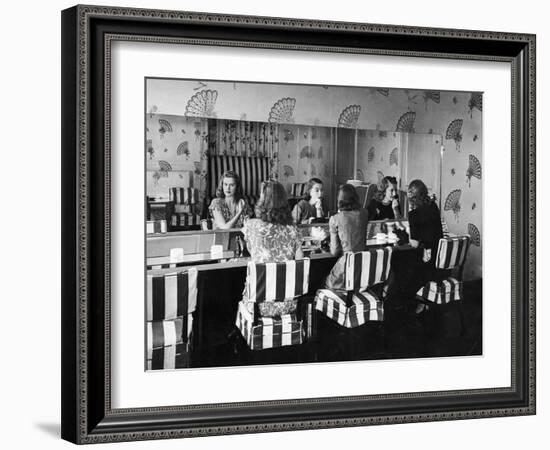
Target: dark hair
(310,184)
(418,194)
(350,199)
(237,178)
(382,186)
(272,207)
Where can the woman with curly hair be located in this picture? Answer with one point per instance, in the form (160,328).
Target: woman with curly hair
(385,204)
(272,236)
(229,209)
(411,273)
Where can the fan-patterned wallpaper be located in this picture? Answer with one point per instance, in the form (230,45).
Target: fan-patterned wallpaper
(457,116)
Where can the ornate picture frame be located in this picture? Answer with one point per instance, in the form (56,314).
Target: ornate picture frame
(87,35)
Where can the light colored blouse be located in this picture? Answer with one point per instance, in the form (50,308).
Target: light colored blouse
(220,205)
(268,242)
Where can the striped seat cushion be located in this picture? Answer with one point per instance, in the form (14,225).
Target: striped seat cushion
(252,170)
(184,196)
(364,269)
(156,226)
(167,333)
(171,295)
(364,307)
(185,220)
(441,292)
(173,357)
(267,282)
(269,332)
(452,252)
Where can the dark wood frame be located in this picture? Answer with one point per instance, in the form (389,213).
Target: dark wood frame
(87,32)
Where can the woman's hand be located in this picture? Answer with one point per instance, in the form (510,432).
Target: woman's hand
(414,243)
(395,204)
(427,255)
(240,207)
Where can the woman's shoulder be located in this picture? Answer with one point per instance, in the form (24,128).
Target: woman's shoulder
(216,202)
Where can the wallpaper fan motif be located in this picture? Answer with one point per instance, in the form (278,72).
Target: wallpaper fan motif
(183,149)
(452,203)
(405,124)
(474,170)
(434,96)
(349,117)
(370,155)
(454,132)
(394,157)
(165,127)
(288,171)
(202,104)
(475,102)
(282,111)
(383,91)
(474,234)
(307,152)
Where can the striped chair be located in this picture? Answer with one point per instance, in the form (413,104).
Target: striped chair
(272,282)
(357,304)
(186,212)
(451,255)
(252,170)
(298,190)
(171,301)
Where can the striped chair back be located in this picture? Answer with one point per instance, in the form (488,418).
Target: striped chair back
(266,282)
(184,196)
(364,269)
(452,252)
(252,170)
(298,189)
(171,295)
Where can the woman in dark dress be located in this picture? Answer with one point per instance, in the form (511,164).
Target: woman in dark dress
(311,206)
(385,204)
(411,270)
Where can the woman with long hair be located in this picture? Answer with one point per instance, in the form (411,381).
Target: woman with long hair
(229,209)
(348,232)
(273,237)
(385,203)
(311,206)
(410,274)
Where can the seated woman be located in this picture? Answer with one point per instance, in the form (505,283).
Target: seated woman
(348,232)
(273,237)
(425,231)
(229,209)
(385,204)
(311,206)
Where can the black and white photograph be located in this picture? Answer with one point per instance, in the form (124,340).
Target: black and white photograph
(302,224)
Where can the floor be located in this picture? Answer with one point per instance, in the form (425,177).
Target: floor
(450,330)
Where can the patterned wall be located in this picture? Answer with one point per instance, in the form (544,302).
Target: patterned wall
(457,116)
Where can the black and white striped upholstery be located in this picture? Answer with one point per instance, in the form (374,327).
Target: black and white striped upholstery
(272,282)
(267,282)
(166,346)
(252,170)
(184,196)
(171,295)
(185,220)
(356,304)
(171,300)
(451,254)
(365,269)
